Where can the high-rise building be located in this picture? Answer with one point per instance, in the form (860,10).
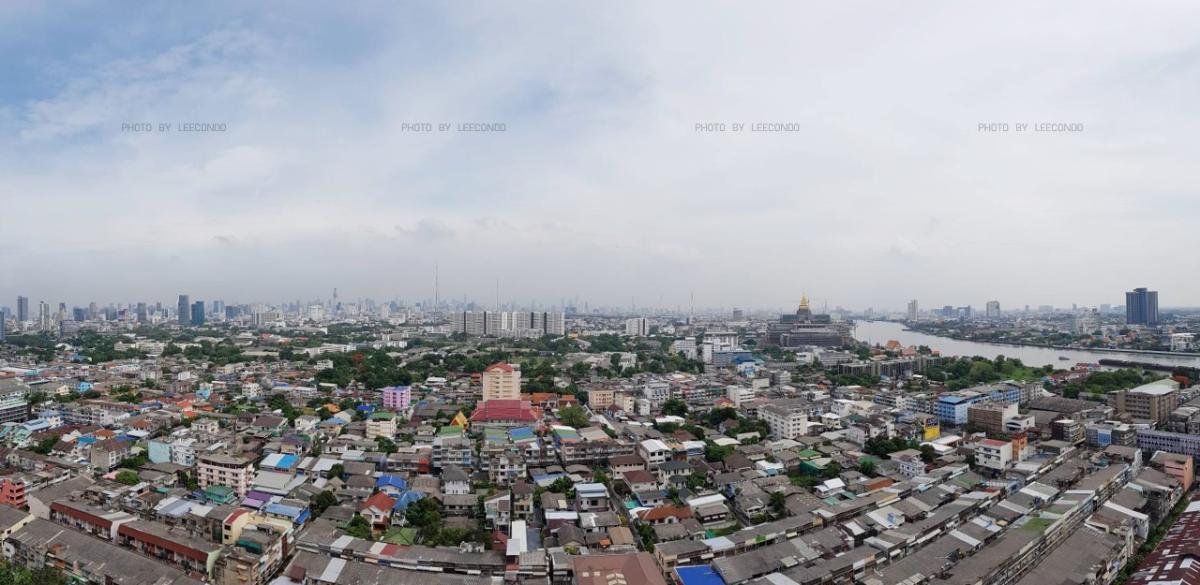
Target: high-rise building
(2,325)
(142,314)
(198,313)
(185,311)
(508,324)
(22,309)
(44,323)
(993,309)
(1141,307)
(502,381)
(912,310)
(637,327)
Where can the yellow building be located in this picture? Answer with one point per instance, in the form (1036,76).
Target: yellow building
(502,381)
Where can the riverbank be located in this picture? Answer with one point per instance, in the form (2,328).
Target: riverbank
(1042,346)
(880,332)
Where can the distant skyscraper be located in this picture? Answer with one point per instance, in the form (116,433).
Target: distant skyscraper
(993,309)
(22,309)
(44,323)
(198,313)
(1,325)
(1141,307)
(638,327)
(185,311)
(912,310)
(142,314)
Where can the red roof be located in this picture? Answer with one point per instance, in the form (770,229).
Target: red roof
(504,410)
(380,501)
(663,512)
(501,366)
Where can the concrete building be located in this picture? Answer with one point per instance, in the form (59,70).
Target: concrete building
(1179,466)
(991,417)
(786,420)
(184,311)
(1141,307)
(234,471)
(637,327)
(1152,402)
(993,454)
(397,397)
(381,424)
(502,381)
(600,398)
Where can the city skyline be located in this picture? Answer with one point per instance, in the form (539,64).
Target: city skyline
(607,181)
(910,307)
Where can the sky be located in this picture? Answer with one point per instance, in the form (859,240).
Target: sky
(882,187)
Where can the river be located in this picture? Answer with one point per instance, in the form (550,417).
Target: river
(882,331)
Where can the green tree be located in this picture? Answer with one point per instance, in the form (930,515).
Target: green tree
(573,416)
(385,444)
(359,528)
(562,485)
(44,446)
(128,477)
(323,501)
(778,504)
(675,406)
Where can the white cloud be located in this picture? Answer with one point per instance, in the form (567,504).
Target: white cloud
(601,188)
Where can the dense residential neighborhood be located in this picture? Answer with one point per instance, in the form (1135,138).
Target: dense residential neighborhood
(348,445)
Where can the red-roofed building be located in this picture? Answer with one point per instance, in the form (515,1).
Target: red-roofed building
(665,515)
(377,509)
(505,412)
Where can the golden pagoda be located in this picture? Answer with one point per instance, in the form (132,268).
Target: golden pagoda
(804,312)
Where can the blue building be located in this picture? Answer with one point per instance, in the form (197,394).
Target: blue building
(951,408)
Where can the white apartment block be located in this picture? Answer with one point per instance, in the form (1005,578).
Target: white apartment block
(637,327)
(786,422)
(993,454)
(509,323)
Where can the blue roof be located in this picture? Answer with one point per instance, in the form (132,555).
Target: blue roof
(407,498)
(521,433)
(952,399)
(396,482)
(698,575)
(292,512)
